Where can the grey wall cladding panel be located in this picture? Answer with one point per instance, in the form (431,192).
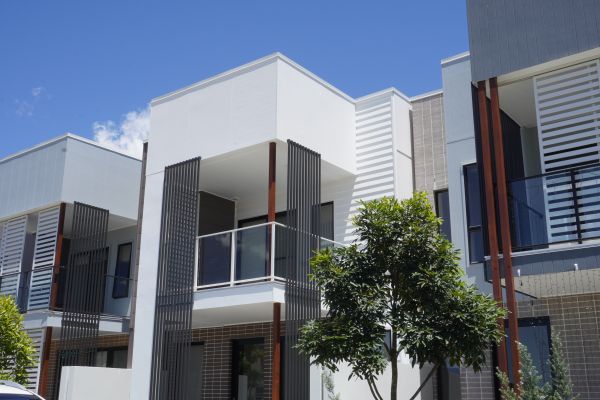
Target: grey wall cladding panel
(175,281)
(509,35)
(429,150)
(302,298)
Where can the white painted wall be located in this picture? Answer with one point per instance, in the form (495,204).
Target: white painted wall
(92,383)
(409,379)
(315,116)
(235,111)
(146,287)
(403,157)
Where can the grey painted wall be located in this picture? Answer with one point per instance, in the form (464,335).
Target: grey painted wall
(102,178)
(118,307)
(460,142)
(32,180)
(508,35)
(67,170)
(429,144)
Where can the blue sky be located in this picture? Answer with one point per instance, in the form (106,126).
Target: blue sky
(91,68)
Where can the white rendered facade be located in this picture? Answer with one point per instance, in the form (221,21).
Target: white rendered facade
(229,121)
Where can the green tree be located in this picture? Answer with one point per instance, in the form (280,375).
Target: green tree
(562,387)
(16,348)
(531,386)
(401,274)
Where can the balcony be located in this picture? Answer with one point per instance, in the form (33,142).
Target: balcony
(32,295)
(246,255)
(555,232)
(556,208)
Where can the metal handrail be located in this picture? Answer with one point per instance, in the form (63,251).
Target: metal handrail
(569,184)
(269,277)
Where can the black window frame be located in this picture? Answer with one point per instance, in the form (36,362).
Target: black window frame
(118,277)
(447,219)
(471,227)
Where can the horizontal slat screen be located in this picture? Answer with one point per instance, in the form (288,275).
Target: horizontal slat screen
(43,258)
(568,117)
(11,253)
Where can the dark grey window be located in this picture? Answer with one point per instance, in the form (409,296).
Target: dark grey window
(122,271)
(115,357)
(442,210)
(534,334)
(474,213)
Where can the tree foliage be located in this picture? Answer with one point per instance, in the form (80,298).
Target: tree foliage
(16,347)
(403,275)
(532,386)
(562,387)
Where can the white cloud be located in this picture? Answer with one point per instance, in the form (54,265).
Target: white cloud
(126,137)
(38,91)
(24,108)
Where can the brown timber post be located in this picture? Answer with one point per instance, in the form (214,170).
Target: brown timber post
(505,230)
(276,365)
(45,356)
(490,208)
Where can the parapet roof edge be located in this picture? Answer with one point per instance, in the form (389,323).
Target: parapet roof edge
(60,138)
(455,58)
(246,68)
(385,92)
(426,95)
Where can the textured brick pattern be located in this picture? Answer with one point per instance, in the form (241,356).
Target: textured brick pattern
(478,386)
(216,382)
(103,343)
(429,144)
(577,320)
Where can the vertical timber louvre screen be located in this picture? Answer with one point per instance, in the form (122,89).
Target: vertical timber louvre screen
(175,281)
(84,288)
(302,298)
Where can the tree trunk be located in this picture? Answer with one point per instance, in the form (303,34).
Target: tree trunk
(394,361)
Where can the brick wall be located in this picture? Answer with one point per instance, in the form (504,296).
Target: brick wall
(577,319)
(216,382)
(480,385)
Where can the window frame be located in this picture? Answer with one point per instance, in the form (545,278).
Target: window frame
(110,354)
(116,277)
(437,210)
(235,345)
(475,227)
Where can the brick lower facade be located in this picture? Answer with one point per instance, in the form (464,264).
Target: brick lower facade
(217,363)
(577,319)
